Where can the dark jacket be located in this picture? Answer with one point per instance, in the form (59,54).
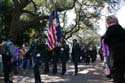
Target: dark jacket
(115,36)
(75,52)
(115,39)
(36,47)
(64,52)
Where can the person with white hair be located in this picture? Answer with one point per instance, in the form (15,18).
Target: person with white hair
(115,39)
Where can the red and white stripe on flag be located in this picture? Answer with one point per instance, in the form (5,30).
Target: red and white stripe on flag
(52,38)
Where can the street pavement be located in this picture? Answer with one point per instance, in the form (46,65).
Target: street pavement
(92,73)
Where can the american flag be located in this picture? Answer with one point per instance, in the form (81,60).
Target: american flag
(54,31)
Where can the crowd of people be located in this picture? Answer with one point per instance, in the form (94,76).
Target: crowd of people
(19,58)
(37,53)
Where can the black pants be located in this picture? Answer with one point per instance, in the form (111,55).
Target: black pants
(117,63)
(63,59)
(36,71)
(118,77)
(75,61)
(46,70)
(76,67)
(63,68)
(7,67)
(55,61)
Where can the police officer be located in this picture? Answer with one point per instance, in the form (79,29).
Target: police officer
(75,55)
(36,50)
(64,56)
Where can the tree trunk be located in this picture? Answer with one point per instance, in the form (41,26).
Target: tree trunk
(15,25)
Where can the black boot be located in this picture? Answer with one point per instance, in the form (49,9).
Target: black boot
(8,81)
(39,82)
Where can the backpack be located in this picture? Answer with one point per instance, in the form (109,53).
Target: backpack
(8,49)
(11,48)
(4,49)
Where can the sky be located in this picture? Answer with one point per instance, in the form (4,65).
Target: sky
(121,15)
(71,16)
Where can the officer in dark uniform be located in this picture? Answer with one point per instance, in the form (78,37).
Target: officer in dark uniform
(64,56)
(36,50)
(75,55)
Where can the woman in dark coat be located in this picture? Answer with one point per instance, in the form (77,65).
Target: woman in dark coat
(115,39)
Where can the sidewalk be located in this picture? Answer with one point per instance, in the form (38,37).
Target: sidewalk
(92,73)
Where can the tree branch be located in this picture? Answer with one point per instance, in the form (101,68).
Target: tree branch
(66,8)
(29,12)
(35,6)
(36,20)
(76,27)
(16,3)
(24,3)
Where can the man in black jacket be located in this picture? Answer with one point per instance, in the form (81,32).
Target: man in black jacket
(115,39)
(75,54)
